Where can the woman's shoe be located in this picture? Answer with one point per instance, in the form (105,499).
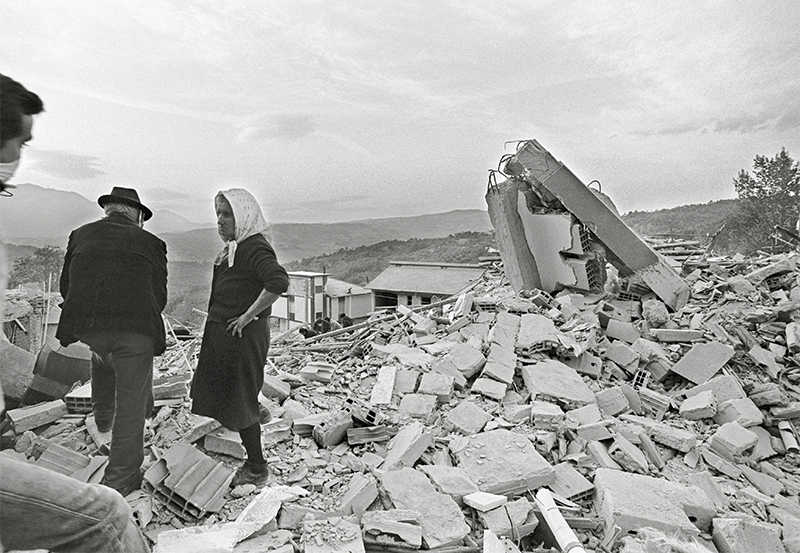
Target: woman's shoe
(251,473)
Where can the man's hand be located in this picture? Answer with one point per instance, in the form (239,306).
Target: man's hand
(237,324)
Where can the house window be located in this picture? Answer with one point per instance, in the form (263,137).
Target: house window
(291,316)
(318,315)
(341,305)
(409,299)
(318,289)
(290,307)
(426,300)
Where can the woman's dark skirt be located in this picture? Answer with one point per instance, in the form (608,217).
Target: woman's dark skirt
(230,373)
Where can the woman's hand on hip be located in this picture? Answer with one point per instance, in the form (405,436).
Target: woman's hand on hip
(237,324)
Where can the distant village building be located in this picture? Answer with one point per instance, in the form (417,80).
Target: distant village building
(350,299)
(304,301)
(413,283)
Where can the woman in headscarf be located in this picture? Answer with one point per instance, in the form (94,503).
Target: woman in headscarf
(230,372)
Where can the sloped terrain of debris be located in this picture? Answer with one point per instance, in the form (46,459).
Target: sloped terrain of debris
(436,428)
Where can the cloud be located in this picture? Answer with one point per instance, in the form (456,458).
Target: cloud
(66,165)
(277,126)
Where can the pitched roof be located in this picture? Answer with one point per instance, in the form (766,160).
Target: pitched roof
(336,288)
(426,278)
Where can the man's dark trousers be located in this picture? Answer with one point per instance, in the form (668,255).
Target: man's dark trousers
(122,392)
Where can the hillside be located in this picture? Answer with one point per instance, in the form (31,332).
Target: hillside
(697,221)
(362,264)
(293,241)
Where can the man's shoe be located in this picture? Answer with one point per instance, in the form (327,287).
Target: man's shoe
(132,487)
(251,473)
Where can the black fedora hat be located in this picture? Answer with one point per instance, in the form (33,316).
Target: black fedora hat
(127,196)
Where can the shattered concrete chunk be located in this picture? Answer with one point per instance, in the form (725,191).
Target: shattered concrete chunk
(440,517)
(552,380)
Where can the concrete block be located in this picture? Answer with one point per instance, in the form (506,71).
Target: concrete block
(552,380)
(537,333)
(768,394)
(384,386)
(656,359)
(633,398)
(623,331)
(468,418)
(624,356)
(763,449)
(227,442)
(515,519)
(498,372)
(407,446)
(587,414)
(275,388)
(490,388)
(405,381)
(628,456)
(743,411)
(452,481)
(62,460)
(674,335)
(292,516)
(599,453)
(418,405)
(333,430)
(34,416)
(441,519)
(676,438)
(587,364)
(634,501)
(359,495)
(546,415)
(332,535)
(503,462)
(699,406)
(570,484)
(517,413)
(437,385)
(482,501)
(732,440)
(467,359)
(706,482)
(424,327)
(446,367)
(741,535)
(720,464)
(725,387)
(703,361)
(293,410)
(612,401)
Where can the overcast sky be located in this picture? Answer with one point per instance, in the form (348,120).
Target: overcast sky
(338,110)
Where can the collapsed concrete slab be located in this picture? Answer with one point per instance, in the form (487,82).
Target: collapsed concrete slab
(742,535)
(634,501)
(629,253)
(552,380)
(440,517)
(503,462)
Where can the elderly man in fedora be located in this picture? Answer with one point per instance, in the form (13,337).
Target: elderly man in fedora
(114,285)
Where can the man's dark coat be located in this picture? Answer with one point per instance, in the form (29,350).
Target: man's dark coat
(114,278)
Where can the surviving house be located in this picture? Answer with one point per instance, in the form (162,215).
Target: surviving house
(355,301)
(414,283)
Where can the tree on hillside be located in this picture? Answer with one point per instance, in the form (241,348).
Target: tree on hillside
(768,197)
(38,267)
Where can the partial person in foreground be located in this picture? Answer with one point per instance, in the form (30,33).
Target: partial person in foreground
(114,285)
(40,508)
(230,371)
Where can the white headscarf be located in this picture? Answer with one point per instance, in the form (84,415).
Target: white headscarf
(248,220)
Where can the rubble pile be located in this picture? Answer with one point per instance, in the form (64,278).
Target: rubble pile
(434,428)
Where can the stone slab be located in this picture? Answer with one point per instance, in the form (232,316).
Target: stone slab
(490,388)
(703,361)
(468,418)
(418,405)
(503,462)
(441,518)
(467,359)
(742,410)
(552,380)
(740,535)
(452,481)
(515,519)
(634,501)
(436,384)
(407,446)
(676,438)
(732,440)
(384,386)
(612,401)
(725,387)
(699,406)
(482,501)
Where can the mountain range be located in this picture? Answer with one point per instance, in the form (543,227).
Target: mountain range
(40,216)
